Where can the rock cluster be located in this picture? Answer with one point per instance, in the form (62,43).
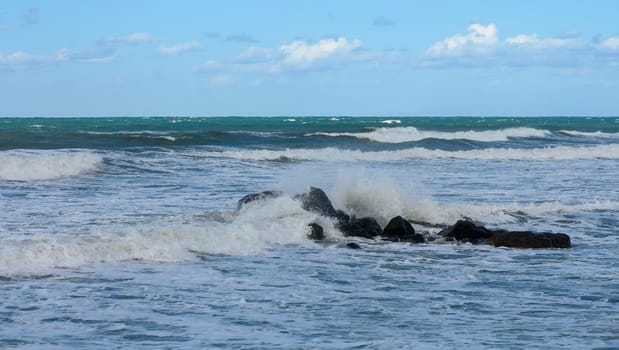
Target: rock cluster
(400,230)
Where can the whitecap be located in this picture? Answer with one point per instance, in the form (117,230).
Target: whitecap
(599,134)
(411,134)
(256,227)
(557,153)
(46,165)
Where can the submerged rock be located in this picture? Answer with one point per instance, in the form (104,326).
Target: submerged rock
(467,231)
(526,239)
(317,232)
(353,245)
(257,196)
(400,230)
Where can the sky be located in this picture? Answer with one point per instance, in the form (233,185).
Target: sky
(72,58)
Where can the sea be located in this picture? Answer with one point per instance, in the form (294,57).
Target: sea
(124,233)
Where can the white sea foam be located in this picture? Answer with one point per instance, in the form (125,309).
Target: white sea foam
(557,153)
(258,225)
(410,133)
(599,134)
(46,165)
(391,121)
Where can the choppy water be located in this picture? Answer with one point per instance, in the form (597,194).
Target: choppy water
(122,233)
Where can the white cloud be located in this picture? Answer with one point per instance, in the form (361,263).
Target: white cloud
(93,56)
(303,54)
(131,39)
(298,55)
(21,59)
(611,43)
(522,39)
(533,41)
(479,40)
(481,46)
(178,49)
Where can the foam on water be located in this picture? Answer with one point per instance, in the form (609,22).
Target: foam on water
(46,165)
(255,227)
(610,151)
(409,134)
(590,134)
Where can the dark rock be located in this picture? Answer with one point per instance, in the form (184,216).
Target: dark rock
(257,196)
(353,245)
(364,227)
(526,239)
(466,231)
(342,217)
(317,201)
(317,233)
(400,230)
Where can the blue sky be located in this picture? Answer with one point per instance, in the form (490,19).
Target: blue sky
(206,58)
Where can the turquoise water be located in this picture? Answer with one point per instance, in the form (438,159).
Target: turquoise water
(122,233)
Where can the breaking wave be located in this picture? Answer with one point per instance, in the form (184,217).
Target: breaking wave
(341,155)
(410,134)
(46,165)
(257,226)
(599,134)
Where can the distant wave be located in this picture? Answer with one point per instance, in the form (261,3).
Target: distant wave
(410,133)
(45,165)
(135,134)
(341,155)
(590,134)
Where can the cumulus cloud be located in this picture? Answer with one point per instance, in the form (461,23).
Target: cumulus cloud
(482,46)
(177,49)
(300,53)
(479,40)
(131,39)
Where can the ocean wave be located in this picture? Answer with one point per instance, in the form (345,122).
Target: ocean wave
(46,165)
(257,226)
(556,153)
(391,121)
(410,134)
(594,134)
(135,134)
